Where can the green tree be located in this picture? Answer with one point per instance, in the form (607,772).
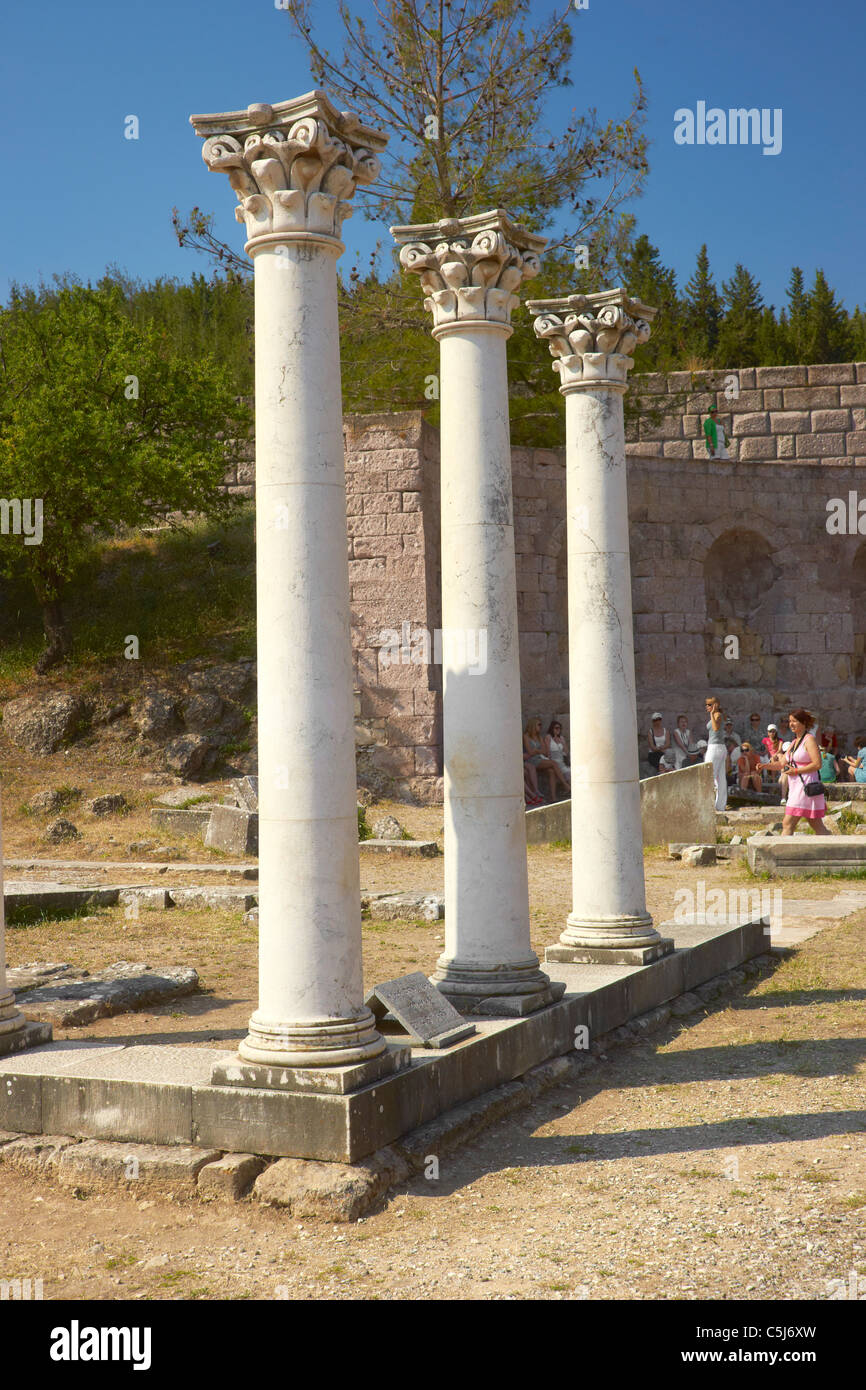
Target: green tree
(461,87)
(828,333)
(739,334)
(645,277)
(858,335)
(104,425)
(796,325)
(702,311)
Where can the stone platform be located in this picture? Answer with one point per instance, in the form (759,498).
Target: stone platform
(163,1094)
(792,856)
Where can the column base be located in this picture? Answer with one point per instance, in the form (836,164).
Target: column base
(610,955)
(513,990)
(333,1080)
(18,1039)
(619,933)
(329,1042)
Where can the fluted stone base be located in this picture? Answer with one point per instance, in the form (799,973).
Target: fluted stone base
(331,1042)
(609,941)
(513,990)
(15,1032)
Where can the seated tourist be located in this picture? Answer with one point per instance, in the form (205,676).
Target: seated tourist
(658,740)
(556,750)
(856,766)
(754,734)
(685,751)
(535,760)
(828,771)
(828,742)
(748,768)
(730,732)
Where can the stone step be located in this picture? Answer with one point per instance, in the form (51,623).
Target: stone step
(796,855)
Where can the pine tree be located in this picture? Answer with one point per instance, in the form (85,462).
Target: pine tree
(796,328)
(829,334)
(702,310)
(645,277)
(858,335)
(739,334)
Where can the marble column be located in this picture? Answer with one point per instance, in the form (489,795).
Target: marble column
(591,338)
(470,270)
(294,167)
(15,1032)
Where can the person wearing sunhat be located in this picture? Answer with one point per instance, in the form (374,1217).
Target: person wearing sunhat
(714,435)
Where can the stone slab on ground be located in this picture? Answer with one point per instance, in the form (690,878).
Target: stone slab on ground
(97,1164)
(145,896)
(424,849)
(245,791)
(230,1178)
(332,1191)
(121,988)
(425,1015)
(163,1094)
(181,796)
(190,821)
(845,791)
(793,856)
(20,896)
(404,907)
(136,865)
(38,972)
(218,896)
(34,1153)
(233,830)
(757,815)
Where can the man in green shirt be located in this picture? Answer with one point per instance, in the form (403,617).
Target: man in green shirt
(714,435)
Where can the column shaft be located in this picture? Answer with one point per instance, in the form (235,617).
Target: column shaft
(486,882)
(607,847)
(294,168)
(310,981)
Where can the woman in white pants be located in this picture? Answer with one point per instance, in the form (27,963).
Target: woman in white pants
(716,752)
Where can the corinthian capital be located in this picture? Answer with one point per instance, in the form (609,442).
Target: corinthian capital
(592,336)
(293,166)
(470,267)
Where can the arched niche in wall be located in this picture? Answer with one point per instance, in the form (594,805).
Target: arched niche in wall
(740,574)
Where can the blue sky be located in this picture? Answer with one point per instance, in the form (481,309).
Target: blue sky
(78,196)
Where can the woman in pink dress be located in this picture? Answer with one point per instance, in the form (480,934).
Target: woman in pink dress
(802,763)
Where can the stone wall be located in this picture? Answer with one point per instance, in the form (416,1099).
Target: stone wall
(799,414)
(392,481)
(720,550)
